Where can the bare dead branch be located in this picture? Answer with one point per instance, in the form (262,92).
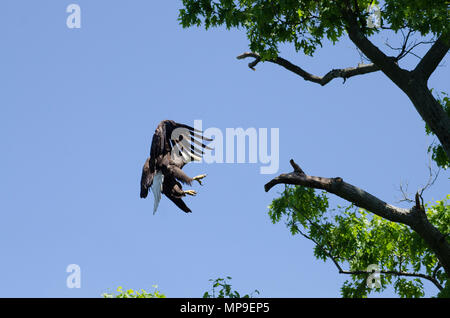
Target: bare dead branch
(432,177)
(419,202)
(404,191)
(344,190)
(407,48)
(335,73)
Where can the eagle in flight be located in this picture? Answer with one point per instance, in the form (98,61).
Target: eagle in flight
(173,145)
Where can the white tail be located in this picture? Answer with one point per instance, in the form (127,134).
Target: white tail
(157,185)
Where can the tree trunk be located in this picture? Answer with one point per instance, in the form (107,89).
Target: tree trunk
(432,237)
(413,83)
(430,110)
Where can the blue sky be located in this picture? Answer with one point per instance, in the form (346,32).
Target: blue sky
(78,110)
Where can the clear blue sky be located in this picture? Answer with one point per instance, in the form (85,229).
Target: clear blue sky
(78,108)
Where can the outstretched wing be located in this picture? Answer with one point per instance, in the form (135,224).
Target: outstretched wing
(184,143)
(187,145)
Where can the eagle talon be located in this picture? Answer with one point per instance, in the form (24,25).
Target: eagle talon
(199,178)
(190,192)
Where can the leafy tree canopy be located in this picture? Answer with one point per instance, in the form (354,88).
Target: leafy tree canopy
(306,23)
(355,239)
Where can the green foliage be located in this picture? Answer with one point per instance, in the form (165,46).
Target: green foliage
(445,293)
(130,293)
(354,238)
(221,288)
(306,23)
(423,16)
(437,151)
(351,237)
(309,208)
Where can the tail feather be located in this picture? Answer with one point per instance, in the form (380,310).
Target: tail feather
(158,180)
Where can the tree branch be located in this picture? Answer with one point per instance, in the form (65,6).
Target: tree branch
(360,272)
(327,252)
(407,48)
(335,73)
(433,57)
(344,190)
(387,64)
(398,273)
(414,217)
(436,269)
(432,177)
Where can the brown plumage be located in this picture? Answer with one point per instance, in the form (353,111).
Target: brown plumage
(173,145)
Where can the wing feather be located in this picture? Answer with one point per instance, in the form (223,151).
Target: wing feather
(178,139)
(146,178)
(168,133)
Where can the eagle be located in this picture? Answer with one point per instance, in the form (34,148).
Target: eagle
(173,145)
